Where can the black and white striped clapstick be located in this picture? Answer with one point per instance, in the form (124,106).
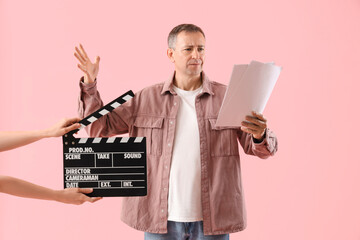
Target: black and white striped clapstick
(99,113)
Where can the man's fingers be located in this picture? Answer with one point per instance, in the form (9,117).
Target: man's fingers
(79,58)
(83,51)
(80,54)
(259,116)
(256,134)
(82,68)
(252,126)
(248,130)
(256,121)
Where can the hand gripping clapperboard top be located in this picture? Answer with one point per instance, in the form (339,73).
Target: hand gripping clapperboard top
(114,166)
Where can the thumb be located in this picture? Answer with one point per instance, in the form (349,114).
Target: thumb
(97,60)
(85,190)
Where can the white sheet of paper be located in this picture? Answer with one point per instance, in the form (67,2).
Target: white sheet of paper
(249,90)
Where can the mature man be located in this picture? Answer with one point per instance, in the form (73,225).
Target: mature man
(194,178)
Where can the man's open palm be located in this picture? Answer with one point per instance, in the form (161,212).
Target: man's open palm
(90,69)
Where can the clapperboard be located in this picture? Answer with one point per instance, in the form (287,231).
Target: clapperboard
(114,166)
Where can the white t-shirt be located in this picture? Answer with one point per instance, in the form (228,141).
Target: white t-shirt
(184,202)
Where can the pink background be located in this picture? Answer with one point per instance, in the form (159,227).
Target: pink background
(309,190)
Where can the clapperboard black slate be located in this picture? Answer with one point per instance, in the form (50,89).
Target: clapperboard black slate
(114,166)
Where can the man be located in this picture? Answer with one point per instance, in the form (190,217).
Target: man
(194,179)
(21,188)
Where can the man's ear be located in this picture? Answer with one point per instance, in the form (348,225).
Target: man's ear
(170,54)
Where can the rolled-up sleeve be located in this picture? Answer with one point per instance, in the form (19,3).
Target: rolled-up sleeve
(268,147)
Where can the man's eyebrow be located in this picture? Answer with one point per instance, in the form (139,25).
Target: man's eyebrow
(193,46)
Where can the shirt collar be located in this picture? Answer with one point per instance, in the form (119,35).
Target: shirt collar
(207,87)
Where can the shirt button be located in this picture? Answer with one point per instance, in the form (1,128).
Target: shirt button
(171,122)
(166,166)
(162,210)
(164,189)
(174,103)
(169,144)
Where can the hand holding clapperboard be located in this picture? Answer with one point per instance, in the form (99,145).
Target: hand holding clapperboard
(114,166)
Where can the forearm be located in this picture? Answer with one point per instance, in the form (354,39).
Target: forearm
(11,140)
(89,99)
(21,188)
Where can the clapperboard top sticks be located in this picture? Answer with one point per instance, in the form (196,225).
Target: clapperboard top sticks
(105,140)
(69,138)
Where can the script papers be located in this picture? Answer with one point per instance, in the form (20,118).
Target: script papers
(249,90)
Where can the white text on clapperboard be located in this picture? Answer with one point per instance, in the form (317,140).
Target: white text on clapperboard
(74,175)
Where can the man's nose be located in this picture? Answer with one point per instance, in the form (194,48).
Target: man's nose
(195,54)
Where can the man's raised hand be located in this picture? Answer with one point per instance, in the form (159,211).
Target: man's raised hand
(90,69)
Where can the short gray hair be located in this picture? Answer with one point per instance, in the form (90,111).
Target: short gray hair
(182,27)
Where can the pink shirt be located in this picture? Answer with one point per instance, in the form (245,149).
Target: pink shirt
(152,113)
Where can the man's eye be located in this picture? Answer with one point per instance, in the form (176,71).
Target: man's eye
(201,49)
(187,49)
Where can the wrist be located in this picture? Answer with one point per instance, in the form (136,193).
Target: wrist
(259,139)
(44,133)
(56,195)
(88,80)
(47,133)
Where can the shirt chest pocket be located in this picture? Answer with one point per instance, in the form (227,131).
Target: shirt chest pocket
(152,129)
(223,140)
